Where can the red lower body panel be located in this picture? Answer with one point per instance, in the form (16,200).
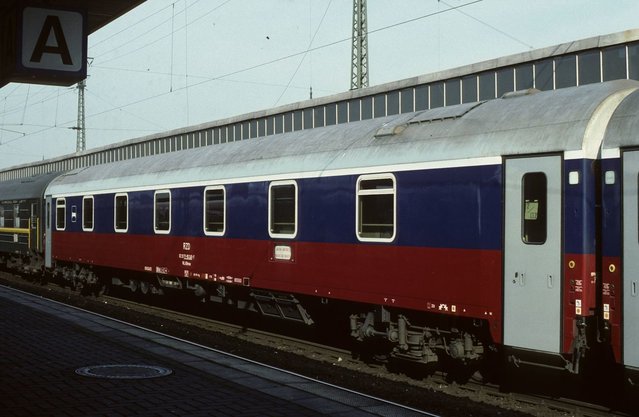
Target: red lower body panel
(462,282)
(579,295)
(611,300)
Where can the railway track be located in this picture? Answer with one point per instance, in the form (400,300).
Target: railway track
(242,331)
(334,355)
(536,405)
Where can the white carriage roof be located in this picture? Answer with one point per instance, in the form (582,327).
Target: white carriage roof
(25,188)
(571,120)
(623,128)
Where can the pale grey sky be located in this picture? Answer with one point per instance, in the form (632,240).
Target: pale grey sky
(173,63)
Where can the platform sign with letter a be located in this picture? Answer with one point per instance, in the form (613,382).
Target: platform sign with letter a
(52,39)
(50,46)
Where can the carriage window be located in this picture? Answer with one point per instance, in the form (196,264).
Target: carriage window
(283,209)
(162,212)
(214,207)
(376,208)
(87,214)
(34,216)
(16,215)
(60,213)
(1,216)
(121,217)
(534,208)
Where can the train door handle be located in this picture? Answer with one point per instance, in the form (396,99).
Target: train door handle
(633,288)
(550,281)
(521,277)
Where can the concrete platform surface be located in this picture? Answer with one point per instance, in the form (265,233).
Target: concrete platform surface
(57,360)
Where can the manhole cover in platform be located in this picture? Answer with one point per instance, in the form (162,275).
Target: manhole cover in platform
(123,371)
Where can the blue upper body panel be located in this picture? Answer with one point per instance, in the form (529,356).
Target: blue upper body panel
(448,208)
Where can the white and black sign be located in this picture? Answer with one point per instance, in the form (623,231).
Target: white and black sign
(43,45)
(53,39)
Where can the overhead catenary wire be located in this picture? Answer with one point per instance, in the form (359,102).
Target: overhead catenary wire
(137,22)
(172,43)
(256,66)
(496,29)
(310,43)
(186,62)
(122,55)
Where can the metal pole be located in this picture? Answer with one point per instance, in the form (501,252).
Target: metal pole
(81,143)
(359,50)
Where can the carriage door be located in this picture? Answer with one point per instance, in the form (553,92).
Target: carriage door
(630,268)
(48,232)
(532,253)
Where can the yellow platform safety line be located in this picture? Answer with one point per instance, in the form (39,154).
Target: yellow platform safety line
(19,231)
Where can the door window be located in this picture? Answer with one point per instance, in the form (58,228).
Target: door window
(535,195)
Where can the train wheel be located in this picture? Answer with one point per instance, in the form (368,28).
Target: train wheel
(145,288)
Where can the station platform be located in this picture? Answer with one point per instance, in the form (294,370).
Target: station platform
(57,360)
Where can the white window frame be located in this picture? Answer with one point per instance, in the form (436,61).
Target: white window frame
(115,213)
(270,214)
(88,229)
(155,229)
(359,192)
(64,207)
(213,188)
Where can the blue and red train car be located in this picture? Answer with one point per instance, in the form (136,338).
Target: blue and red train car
(446,233)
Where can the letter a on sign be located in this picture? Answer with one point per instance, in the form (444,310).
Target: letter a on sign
(52,27)
(53,39)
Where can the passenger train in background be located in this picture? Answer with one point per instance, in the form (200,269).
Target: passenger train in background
(501,229)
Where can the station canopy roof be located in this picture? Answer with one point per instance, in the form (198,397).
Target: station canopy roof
(45,41)
(99,12)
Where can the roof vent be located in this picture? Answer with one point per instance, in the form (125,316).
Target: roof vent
(390,129)
(520,93)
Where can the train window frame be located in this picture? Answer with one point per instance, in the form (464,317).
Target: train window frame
(205,211)
(272,211)
(116,212)
(156,208)
(362,194)
(60,220)
(534,209)
(88,214)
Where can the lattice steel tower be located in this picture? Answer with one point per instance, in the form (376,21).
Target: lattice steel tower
(81,141)
(359,51)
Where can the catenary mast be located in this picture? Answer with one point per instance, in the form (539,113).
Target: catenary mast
(81,141)
(359,51)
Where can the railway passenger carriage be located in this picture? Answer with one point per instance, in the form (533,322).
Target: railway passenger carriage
(620,235)
(21,228)
(443,232)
